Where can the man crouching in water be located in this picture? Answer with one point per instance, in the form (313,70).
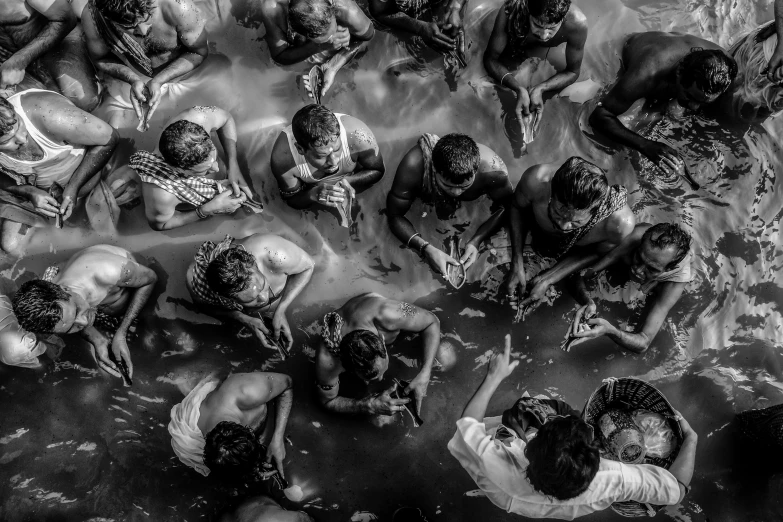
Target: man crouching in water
(354,339)
(95,284)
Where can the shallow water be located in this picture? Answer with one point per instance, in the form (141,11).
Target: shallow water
(75,443)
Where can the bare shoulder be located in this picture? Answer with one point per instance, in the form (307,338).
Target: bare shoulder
(282,159)
(491,160)
(274,8)
(576,20)
(175,12)
(352,124)
(621,223)
(157,195)
(534,182)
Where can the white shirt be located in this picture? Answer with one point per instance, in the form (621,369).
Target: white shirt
(499,471)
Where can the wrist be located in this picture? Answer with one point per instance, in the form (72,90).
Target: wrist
(201,213)
(369,405)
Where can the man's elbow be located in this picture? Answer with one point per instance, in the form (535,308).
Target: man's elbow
(114,139)
(157,225)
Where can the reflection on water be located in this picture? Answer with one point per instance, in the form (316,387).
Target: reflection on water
(77,444)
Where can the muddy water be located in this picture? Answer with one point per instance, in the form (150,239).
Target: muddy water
(76,444)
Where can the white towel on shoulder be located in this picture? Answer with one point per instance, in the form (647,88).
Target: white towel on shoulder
(186,437)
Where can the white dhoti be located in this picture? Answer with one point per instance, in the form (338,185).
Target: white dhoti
(186,437)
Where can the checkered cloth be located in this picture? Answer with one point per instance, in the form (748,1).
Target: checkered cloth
(120,42)
(206,253)
(152,168)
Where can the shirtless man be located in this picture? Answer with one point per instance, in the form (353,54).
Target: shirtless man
(446,171)
(182,169)
(331,32)
(246,278)
(144,44)
(38,150)
(657,257)
(220,426)
(322,156)
(264,509)
(563,208)
(40,39)
(354,339)
(663,67)
(524,25)
(100,279)
(437,22)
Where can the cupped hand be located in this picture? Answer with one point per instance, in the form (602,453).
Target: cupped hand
(69,199)
(598,328)
(44,203)
(537,294)
(101,352)
(515,286)
(522,107)
(223,203)
(665,158)
(282,330)
(12,72)
(119,347)
(329,194)
(438,260)
(237,182)
(437,39)
(418,386)
(260,331)
(501,366)
(469,256)
(582,315)
(138,98)
(384,404)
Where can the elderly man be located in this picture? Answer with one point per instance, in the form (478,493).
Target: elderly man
(354,339)
(140,46)
(444,172)
(658,257)
(46,143)
(328,32)
(521,27)
(541,460)
(41,45)
(181,171)
(250,279)
(685,71)
(573,215)
(323,159)
(97,288)
(221,425)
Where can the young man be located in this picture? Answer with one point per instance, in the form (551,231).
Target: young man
(97,283)
(46,140)
(183,167)
(323,157)
(221,425)
(445,171)
(657,257)
(524,25)
(541,460)
(328,32)
(563,208)
(437,22)
(141,45)
(42,46)
(663,67)
(248,278)
(354,339)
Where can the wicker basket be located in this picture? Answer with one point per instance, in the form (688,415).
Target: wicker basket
(629,393)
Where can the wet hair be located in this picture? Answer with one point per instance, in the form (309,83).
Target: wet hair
(456,157)
(563,458)
(311,18)
(579,184)
(549,11)
(229,273)
(125,12)
(36,305)
(185,144)
(232,451)
(7,117)
(712,70)
(359,350)
(666,235)
(314,126)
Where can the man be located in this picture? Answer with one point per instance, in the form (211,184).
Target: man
(98,287)
(41,46)
(248,278)
(663,67)
(573,216)
(182,169)
(521,27)
(444,172)
(264,509)
(220,426)
(328,32)
(657,257)
(354,339)
(46,142)
(19,347)
(543,461)
(140,46)
(322,158)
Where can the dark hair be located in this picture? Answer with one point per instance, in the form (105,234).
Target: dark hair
(125,11)
(359,350)
(549,11)
(563,458)
(7,117)
(36,305)
(229,273)
(311,18)
(712,70)
(314,126)
(185,144)
(665,235)
(579,184)
(232,451)
(456,157)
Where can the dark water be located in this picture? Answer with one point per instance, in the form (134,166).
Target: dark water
(76,444)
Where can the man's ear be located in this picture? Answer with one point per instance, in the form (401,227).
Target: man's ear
(299,148)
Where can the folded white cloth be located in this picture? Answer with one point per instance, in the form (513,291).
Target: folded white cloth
(186,437)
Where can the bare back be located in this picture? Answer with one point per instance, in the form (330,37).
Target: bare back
(95,272)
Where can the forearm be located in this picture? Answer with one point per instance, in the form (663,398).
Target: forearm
(558,82)
(519,232)
(181,66)
(24,191)
(431,339)
(779,21)
(118,70)
(295,54)
(579,290)
(282,411)
(50,36)
(402,229)
(344,56)
(609,124)
(227,134)
(140,297)
(363,179)
(293,287)
(349,406)
(95,158)
(489,227)
(568,266)
(682,467)
(92,335)
(477,405)
(403,22)
(633,342)
(178,219)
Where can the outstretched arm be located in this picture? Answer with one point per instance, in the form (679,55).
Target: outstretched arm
(192,35)
(521,217)
(500,367)
(501,193)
